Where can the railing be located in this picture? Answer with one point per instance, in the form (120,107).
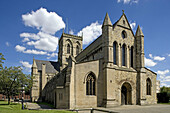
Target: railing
(92,110)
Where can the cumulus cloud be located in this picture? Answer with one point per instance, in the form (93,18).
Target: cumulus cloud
(19,48)
(128,1)
(25,40)
(48,22)
(26,66)
(29,51)
(71,32)
(158,58)
(132,25)
(149,62)
(164,79)
(30,35)
(52,55)
(23,50)
(91,32)
(163,72)
(7,44)
(46,42)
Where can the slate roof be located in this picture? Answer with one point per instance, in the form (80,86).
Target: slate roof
(51,66)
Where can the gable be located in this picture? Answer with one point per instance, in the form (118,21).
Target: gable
(123,23)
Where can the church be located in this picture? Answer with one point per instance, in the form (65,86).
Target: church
(107,73)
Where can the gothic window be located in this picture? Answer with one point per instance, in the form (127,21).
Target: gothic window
(131,56)
(114,52)
(68,48)
(124,35)
(148,86)
(90,84)
(123,54)
(77,50)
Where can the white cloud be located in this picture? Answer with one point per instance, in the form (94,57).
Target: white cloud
(150,55)
(163,72)
(35,52)
(71,32)
(25,40)
(30,35)
(48,22)
(7,44)
(19,48)
(26,65)
(149,62)
(132,25)
(46,42)
(158,58)
(52,55)
(128,1)
(91,32)
(164,79)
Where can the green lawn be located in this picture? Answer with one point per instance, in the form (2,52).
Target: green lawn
(16,108)
(165,103)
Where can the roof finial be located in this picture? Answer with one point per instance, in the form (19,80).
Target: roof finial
(123,11)
(63,30)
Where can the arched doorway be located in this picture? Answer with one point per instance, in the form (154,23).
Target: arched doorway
(126,94)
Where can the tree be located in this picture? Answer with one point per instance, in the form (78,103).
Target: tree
(1,58)
(11,81)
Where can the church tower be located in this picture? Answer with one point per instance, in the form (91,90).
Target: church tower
(69,45)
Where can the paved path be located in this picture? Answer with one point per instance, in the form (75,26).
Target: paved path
(159,108)
(35,106)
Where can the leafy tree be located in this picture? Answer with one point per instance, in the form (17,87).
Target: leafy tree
(1,58)
(165,89)
(11,81)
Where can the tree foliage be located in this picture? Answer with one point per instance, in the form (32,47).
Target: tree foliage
(12,79)
(165,90)
(1,60)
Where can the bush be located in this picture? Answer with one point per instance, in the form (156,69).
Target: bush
(163,97)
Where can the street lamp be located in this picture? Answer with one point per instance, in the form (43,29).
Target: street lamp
(22,90)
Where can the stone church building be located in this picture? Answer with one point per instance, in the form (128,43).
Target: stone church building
(109,72)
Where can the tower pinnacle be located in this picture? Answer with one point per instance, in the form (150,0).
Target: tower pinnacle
(107,20)
(139,32)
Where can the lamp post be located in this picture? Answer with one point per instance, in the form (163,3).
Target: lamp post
(22,89)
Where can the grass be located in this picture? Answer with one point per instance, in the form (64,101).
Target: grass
(44,103)
(165,103)
(16,108)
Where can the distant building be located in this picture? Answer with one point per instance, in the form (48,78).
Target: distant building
(157,86)
(107,73)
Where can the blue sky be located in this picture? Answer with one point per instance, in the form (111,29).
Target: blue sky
(32,28)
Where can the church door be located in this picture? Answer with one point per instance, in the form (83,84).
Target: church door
(126,94)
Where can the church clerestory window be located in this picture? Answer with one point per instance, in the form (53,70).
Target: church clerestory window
(123,55)
(114,53)
(68,48)
(77,50)
(148,86)
(90,84)
(131,56)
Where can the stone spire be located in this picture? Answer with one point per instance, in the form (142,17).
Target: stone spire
(34,63)
(139,32)
(107,20)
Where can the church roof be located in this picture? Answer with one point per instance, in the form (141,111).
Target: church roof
(51,66)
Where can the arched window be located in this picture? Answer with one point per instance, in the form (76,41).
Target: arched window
(114,53)
(77,50)
(90,84)
(148,86)
(131,56)
(124,35)
(123,54)
(68,48)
